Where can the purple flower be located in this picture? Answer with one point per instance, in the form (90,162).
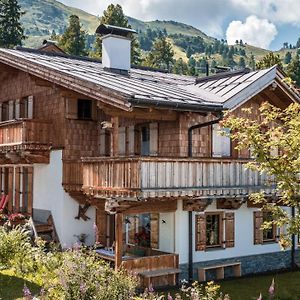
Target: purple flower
(170,297)
(151,289)
(26,291)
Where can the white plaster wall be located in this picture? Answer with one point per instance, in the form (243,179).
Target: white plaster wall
(243,237)
(48,194)
(167,232)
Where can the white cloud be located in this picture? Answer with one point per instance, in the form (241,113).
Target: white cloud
(277,11)
(254,31)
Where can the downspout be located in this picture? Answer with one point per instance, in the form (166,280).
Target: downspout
(293,265)
(190,214)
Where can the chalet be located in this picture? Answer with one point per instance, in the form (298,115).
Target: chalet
(137,153)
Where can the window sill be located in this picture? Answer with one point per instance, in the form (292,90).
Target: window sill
(214,248)
(266,242)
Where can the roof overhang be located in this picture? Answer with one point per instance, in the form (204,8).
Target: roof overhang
(70,82)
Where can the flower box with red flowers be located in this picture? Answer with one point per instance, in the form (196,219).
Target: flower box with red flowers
(17,218)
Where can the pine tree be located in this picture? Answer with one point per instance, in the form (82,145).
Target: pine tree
(242,63)
(287,57)
(114,15)
(161,54)
(269,61)
(74,38)
(293,69)
(11,31)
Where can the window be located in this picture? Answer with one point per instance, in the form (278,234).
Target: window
(269,234)
(221,145)
(5,111)
(84,109)
(263,235)
(214,230)
(142,230)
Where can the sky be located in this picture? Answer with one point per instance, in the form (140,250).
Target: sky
(263,23)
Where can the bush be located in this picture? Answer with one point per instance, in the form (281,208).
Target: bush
(15,248)
(84,276)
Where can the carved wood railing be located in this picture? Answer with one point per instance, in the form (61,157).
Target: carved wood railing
(24,132)
(150,177)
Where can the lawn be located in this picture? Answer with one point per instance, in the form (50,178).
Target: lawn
(11,287)
(287,286)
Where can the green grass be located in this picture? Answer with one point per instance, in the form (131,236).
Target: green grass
(287,286)
(11,287)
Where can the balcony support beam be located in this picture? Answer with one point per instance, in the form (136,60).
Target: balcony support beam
(119,239)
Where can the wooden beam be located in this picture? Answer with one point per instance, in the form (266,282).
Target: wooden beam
(229,203)
(115,136)
(150,114)
(119,239)
(196,204)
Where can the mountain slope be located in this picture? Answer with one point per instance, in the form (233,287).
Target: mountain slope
(43,16)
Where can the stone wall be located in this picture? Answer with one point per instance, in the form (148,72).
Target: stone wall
(252,264)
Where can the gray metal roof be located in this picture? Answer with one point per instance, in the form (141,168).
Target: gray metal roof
(140,87)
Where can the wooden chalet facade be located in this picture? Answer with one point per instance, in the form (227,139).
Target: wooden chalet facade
(88,144)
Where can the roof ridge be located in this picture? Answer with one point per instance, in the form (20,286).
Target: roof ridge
(40,51)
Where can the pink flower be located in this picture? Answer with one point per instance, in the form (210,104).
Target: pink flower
(272,288)
(170,297)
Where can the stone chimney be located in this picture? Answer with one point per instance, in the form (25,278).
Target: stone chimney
(116,47)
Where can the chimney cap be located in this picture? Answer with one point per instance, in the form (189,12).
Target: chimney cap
(104,29)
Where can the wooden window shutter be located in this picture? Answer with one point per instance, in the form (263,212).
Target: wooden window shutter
(71,108)
(122,141)
(153,138)
(30,189)
(200,232)
(17,108)
(11,110)
(154,235)
(130,139)
(229,229)
(258,232)
(30,107)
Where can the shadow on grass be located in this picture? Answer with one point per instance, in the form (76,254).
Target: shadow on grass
(11,287)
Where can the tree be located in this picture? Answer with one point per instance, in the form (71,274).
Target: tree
(74,38)
(242,63)
(269,61)
(287,57)
(275,145)
(161,54)
(114,15)
(293,70)
(11,30)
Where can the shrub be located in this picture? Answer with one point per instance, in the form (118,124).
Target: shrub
(15,248)
(84,276)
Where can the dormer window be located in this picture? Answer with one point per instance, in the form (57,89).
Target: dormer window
(84,109)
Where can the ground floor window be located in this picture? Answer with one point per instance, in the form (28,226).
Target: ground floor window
(264,235)
(142,230)
(214,229)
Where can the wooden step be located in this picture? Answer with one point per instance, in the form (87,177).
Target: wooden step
(43,228)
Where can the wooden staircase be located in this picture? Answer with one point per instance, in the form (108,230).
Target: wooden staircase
(46,231)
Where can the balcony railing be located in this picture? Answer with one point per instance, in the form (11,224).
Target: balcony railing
(24,133)
(150,177)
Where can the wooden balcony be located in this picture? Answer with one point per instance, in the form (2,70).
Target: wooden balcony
(25,137)
(156,177)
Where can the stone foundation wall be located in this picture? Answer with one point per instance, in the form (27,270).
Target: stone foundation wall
(252,264)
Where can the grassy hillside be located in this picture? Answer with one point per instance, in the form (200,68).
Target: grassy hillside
(44,16)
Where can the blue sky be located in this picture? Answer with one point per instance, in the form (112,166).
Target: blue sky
(263,23)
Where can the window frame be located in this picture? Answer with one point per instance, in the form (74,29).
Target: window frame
(273,230)
(220,229)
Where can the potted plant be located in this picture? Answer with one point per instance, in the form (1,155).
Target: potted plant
(3,219)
